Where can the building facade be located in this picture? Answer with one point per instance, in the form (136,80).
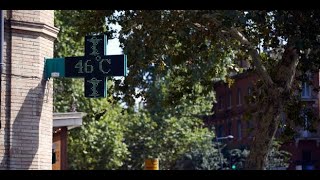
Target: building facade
(26,97)
(228,119)
(62,122)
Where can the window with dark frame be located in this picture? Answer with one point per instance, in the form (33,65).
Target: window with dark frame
(306,90)
(249,129)
(220,131)
(229,128)
(229,100)
(220,102)
(306,86)
(239,96)
(239,128)
(306,156)
(249,90)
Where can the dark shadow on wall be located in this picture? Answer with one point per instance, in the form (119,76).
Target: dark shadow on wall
(25,131)
(21,129)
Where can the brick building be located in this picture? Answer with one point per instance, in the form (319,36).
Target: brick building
(26,97)
(228,120)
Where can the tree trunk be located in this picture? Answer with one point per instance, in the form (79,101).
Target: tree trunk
(267,125)
(271,105)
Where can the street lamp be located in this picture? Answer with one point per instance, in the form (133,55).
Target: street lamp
(226,137)
(219,151)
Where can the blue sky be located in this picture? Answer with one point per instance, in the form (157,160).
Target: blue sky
(113,47)
(113,44)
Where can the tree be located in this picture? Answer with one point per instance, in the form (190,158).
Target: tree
(169,38)
(204,156)
(280,45)
(98,143)
(237,158)
(278,158)
(114,137)
(168,140)
(159,130)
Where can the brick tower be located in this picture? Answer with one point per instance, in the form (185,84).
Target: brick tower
(26,97)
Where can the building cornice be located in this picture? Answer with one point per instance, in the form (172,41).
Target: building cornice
(242,75)
(70,119)
(41,28)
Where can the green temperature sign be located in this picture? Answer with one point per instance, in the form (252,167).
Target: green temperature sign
(95,66)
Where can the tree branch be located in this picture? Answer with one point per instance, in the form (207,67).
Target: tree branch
(292,67)
(244,41)
(254,54)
